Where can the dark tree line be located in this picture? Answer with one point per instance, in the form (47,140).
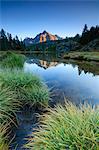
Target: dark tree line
(9,43)
(89,35)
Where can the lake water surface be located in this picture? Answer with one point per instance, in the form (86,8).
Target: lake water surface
(78,82)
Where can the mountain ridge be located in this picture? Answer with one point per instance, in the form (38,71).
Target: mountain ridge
(41,37)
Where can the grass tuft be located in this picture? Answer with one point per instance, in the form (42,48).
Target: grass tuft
(69,127)
(8,107)
(28,88)
(11,60)
(3,143)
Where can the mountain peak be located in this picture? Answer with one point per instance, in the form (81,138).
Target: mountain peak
(44,32)
(42,37)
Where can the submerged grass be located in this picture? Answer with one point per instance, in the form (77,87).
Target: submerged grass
(68,127)
(11,60)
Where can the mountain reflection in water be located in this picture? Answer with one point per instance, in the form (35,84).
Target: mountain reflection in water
(68,80)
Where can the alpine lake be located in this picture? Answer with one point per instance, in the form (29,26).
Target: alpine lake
(76,81)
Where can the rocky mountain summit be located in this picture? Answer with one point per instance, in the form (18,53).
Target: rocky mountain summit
(42,37)
(87,41)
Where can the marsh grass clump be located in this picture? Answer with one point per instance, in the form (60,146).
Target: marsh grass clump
(8,104)
(28,88)
(67,127)
(11,60)
(3,143)
(16,90)
(8,108)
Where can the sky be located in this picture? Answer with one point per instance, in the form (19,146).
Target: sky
(27,18)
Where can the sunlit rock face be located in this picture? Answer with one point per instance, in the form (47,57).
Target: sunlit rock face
(45,36)
(42,37)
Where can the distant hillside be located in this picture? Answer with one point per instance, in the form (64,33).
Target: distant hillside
(42,37)
(87,41)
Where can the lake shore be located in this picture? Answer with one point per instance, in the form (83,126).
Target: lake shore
(76,55)
(87,56)
(19,88)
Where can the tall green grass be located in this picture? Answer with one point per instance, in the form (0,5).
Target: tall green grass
(3,143)
(28,88)
(8,107)
(17,89)
(11,60)
(8,104)
(68,127)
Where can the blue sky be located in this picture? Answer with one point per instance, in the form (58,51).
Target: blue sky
(27,18)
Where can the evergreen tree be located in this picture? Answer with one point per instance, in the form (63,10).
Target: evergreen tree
(77,37)
(18,44)
(3,40)
(89,35)
(10,41)
(14,44)
(85,29)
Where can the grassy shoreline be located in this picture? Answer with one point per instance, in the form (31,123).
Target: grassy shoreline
(76,55)
(87,56)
